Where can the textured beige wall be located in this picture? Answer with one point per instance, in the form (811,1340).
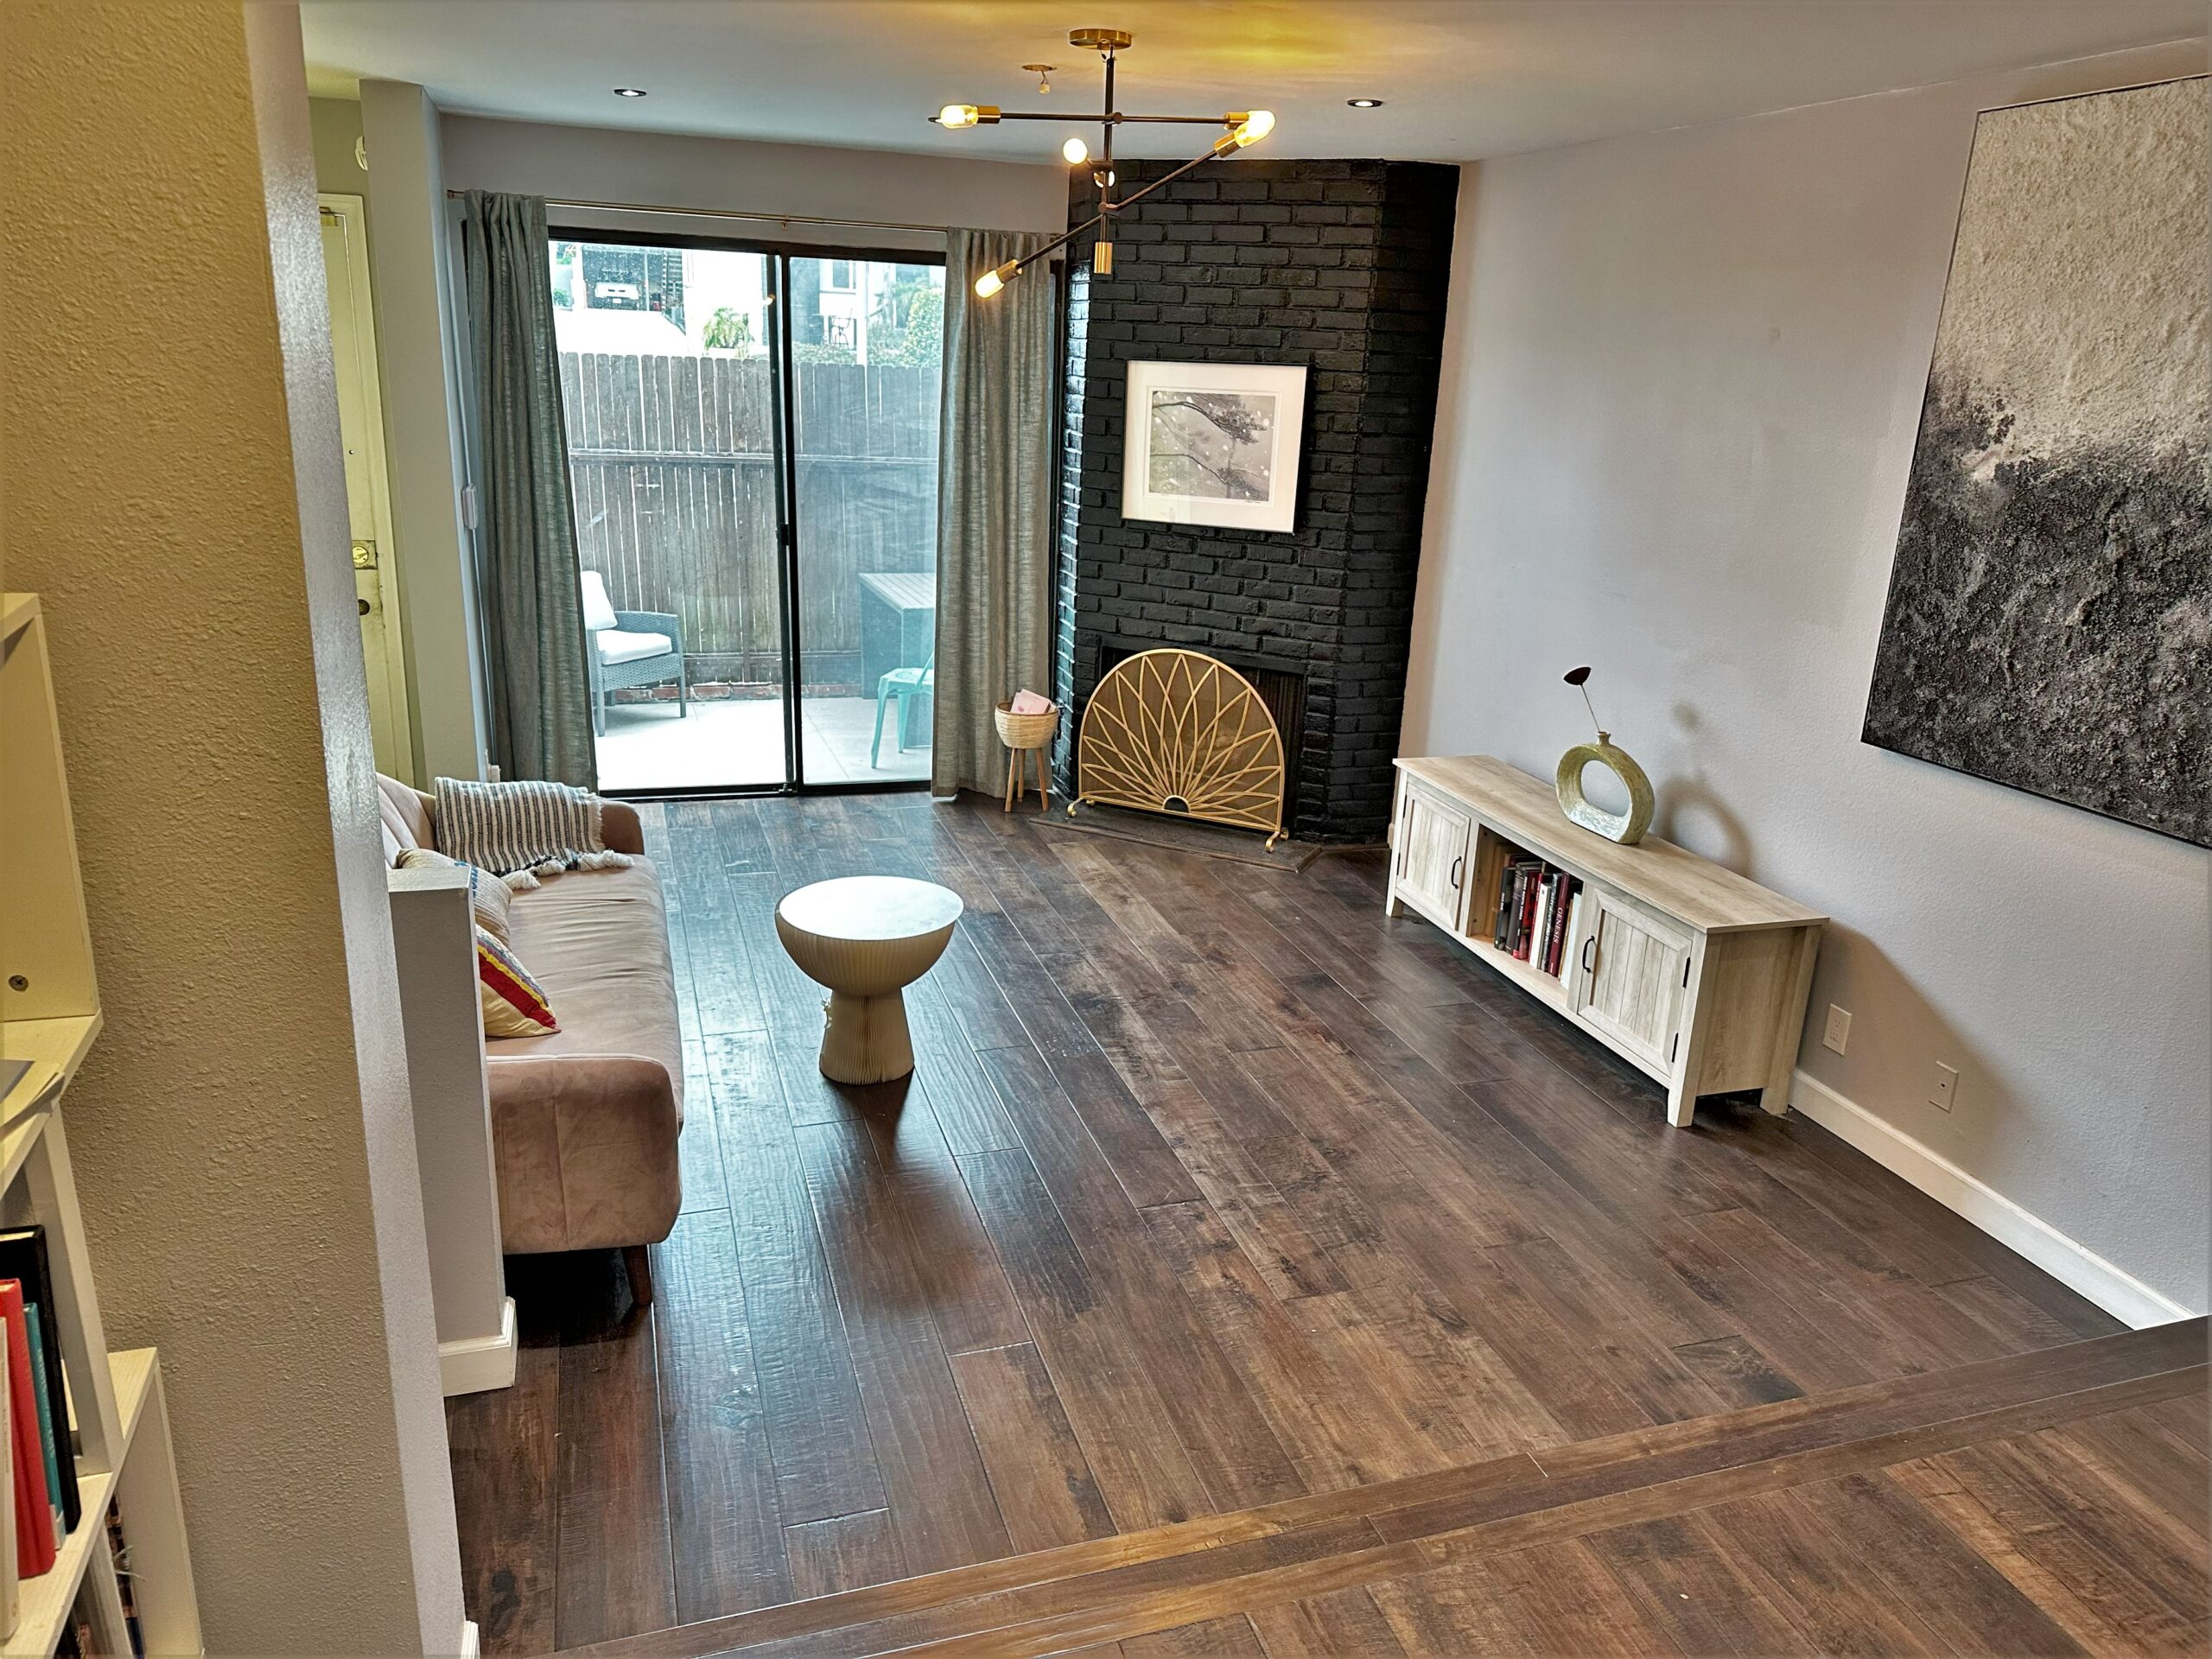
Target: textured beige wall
(173,487)
(1682,376)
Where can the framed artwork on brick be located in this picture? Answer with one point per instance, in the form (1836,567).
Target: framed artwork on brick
(1213,443)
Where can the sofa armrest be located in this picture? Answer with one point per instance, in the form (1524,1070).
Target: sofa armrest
(619,826)
(665,622)
(585,1147)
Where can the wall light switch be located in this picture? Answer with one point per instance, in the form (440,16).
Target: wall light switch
(1944,1089)
(1839,1031)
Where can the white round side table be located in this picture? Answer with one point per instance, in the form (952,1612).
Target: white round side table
(866,938)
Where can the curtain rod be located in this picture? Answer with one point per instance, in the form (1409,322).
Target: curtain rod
(719,213)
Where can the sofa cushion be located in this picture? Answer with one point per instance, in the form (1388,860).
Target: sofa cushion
(597,613)
(620,646)
(597,940)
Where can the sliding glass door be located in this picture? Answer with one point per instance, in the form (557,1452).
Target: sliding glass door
(864,463)
(752,438)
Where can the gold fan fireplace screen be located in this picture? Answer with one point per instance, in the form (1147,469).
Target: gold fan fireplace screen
(1178,733)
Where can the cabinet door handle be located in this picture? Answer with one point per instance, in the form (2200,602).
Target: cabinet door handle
(1673,1044)
(1588,945)
(1456,863)
(1686,973)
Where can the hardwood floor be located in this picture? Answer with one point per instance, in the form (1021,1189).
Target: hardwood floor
(1235,1239)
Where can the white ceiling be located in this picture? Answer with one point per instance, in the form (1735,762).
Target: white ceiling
(1463,79)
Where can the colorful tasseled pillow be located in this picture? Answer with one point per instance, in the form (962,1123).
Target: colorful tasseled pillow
(513,1003)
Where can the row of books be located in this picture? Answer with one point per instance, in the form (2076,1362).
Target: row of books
(1539,913)
(77,1641)
(42,1461)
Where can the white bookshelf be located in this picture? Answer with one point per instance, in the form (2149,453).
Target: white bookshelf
(50,1015)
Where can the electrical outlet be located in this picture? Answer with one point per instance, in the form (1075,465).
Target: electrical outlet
(1943,1088)
(1839,1031)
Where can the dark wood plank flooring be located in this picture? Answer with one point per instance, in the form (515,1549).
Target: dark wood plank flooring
(1215,1190)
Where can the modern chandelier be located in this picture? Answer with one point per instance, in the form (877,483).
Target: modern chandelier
(1242,127)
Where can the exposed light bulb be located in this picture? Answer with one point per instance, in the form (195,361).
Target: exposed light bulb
(1044,82)
(1077,152)
(1254,126)
(955,116)
(996,278)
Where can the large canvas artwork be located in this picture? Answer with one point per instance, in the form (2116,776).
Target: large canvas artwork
(2049,615)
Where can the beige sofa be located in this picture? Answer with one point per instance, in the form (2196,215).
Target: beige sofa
(585,1120)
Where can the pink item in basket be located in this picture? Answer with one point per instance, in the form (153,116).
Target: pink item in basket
(1028,702)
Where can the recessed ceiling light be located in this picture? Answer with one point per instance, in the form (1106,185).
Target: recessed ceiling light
(1365,103)
(629,91)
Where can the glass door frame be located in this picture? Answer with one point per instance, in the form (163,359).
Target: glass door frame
(784,394)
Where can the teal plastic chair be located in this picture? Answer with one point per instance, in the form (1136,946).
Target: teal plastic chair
(900,684)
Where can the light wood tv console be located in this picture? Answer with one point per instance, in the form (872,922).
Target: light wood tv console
(1686,970)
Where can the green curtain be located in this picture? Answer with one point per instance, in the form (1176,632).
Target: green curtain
(531,612)
(994,504)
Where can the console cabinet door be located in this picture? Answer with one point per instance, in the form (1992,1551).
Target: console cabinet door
(1432,856)
(1629,982)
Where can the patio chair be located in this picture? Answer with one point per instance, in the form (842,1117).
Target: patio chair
(630,648)
(901,684)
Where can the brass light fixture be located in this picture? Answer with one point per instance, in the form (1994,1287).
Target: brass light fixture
(1240,127)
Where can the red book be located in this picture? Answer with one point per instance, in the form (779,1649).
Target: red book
(34,1541)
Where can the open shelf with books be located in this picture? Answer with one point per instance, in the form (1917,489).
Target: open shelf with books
(1522,916)
(93,1554)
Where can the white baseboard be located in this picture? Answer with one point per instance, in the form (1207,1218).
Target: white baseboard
(472,1640)
(2073,1264)
(479,1363)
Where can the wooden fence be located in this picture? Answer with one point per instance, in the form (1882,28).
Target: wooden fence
(674,467)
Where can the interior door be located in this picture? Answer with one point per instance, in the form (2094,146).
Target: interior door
(1432,857)
(1629,979)
(376,575)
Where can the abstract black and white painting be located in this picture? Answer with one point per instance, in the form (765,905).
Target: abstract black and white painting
(1213,443)
(2050,616)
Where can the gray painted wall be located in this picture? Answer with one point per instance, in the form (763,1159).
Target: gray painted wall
(1682,376)
(738,175)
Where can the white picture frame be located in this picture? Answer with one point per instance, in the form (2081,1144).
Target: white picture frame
(1213,443)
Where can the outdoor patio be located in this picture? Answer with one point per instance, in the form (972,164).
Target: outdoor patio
(738,743)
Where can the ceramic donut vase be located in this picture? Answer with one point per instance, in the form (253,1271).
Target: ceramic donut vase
(1626,828)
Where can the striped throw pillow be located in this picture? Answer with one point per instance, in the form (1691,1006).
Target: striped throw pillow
(513,1003)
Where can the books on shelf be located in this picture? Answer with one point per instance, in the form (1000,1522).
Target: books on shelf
(1538,907)
(23,1258)
(125,1580)
(45,1506)
(11,1599)
(37,1535)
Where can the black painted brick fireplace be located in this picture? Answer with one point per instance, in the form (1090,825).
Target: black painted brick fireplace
(1341,266)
